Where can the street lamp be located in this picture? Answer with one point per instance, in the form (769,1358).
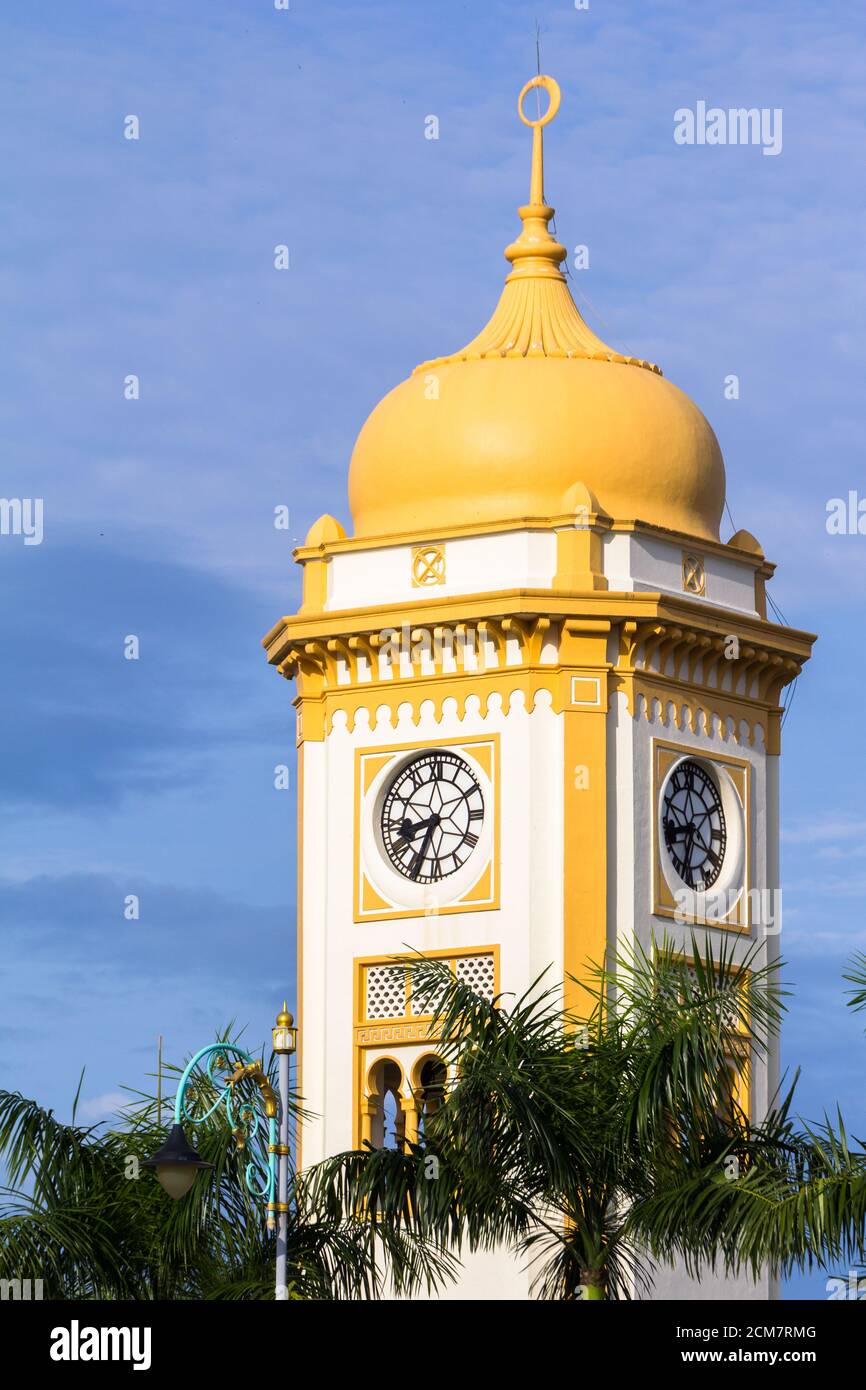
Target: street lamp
(177,1164)
(285,1036)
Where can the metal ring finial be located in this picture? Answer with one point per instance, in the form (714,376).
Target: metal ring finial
(551,86)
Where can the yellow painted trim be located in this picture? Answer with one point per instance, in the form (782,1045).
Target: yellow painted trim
(372,906)
(483,889)
(484,758)
(299,952)
(385,1058)
(664,754)
(386,541)
(489,605)
(692,635)
(691,703)
(371,1034)
(690,700)
(579,559)
(436,691)
(369,905)
(585,845)
(372,768)
(740,1055)
(315,585)
(741,1058)
(742,688)
(418,1066)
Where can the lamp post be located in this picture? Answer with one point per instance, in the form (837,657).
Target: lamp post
(177,1164)
(285,1040)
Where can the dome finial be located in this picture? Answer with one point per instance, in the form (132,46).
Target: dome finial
(536,253)
(536,315)
(536,181)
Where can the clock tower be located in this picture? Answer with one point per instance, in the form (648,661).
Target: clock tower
(539,703)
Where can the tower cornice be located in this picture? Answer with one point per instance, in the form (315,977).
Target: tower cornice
(297,630)
(708,661)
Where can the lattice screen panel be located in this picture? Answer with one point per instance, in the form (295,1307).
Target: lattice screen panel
(386,991)
(428,1002)
(386,987)
(476,971)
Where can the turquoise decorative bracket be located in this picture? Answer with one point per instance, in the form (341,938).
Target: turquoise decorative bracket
(245,1119)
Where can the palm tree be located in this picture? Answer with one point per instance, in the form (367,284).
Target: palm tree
(81,1215)
(802,1205)
(593,1144)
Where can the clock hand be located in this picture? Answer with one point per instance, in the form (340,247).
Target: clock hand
(425,845)
(702,844)
(690,844)
(408,831)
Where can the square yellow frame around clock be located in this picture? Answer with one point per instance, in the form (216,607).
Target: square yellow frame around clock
(664,755)
(483,894)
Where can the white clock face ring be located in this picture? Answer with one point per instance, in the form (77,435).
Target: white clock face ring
(694,826)
(432,816)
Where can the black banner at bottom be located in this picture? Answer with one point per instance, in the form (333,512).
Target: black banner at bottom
(59,1340)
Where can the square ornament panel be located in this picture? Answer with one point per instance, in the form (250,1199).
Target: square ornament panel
(426,829)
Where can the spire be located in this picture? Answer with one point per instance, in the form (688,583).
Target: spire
(536,315)
(535,252)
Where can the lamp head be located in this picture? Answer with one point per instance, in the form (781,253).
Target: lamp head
(285,1034)
(176,1163)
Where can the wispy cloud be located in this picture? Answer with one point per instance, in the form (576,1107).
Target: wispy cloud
(819,830)
(103,1107)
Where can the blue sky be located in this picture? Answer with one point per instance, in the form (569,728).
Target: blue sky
(155,257)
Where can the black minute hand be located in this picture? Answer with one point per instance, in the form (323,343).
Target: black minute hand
(425,845)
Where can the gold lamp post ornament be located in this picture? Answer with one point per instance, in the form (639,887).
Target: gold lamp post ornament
(285,1034)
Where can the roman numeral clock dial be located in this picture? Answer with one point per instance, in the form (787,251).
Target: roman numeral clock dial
(432,817)
(694,826)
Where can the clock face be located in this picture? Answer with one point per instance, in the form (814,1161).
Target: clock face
(432,816)
(694,826)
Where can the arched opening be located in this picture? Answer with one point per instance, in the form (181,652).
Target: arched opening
(730,1094)
(430,1080)
(384,1118)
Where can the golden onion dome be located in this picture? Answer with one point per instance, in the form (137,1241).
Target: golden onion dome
(502,430)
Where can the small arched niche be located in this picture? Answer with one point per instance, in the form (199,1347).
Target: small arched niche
(429,1081)
(386,1112)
